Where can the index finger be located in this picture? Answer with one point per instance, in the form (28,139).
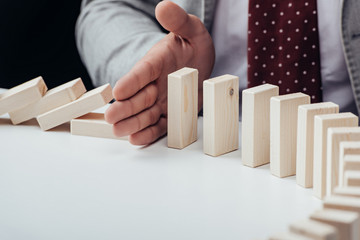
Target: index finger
(144,72)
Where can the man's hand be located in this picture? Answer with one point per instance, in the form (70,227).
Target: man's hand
(140,109)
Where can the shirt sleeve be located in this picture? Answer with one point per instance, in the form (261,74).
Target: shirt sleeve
(112,35)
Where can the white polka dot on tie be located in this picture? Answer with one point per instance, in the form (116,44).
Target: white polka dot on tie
(264,31)
(298,13)
(304,89)
(256,57)
(314,29)
(314,12)
(281,13)
(306,21)
(256,23)
(296,47)
(249,32)
(313,80)
(288,56)
(305,38)
(296,81)
(264,65)
(280,48)
(313,63)
(264,48)
(297,30)
(263,82)
(265,14)
(306,4)
(313,97)
(249,49)
(280,82)
(249,14)
(273,22)
(305,55)
(256,74)
(290,5)
(313,46)
(280,64)
(287,90)
(249,66)
(256,40)
(289,22)
(304,72)
(272,56)
(273,5)
(296,64)
(257,6)
(272,39)
(288,73)
(280,31)
(272,74)
(288,39)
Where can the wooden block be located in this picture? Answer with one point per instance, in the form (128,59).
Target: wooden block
(347,191)
(93,125)
(305,140)
(335,136)
(182,107)
(351,204)
(352,178)
(289,236)
(283,131)
(221,115)
(315,230)
(347,149)
(88,102)
(321,125)
(255,141)
(20,96)
(54,98)
(347,223)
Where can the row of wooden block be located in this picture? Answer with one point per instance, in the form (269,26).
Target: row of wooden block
(338,220)
(68,102)
(220,111)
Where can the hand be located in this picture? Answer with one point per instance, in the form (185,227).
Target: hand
(140,109)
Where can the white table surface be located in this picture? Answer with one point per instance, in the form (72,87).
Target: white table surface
(57,186)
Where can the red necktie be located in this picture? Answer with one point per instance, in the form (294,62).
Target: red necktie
(283,46)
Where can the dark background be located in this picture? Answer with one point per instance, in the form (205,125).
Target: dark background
(37,39)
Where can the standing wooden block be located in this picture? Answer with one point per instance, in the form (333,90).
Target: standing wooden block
(335,136)
(255,141)
(346,222)
(221,115)
(53,98)
(93,125)
(347,191)
(315,230)
(88,102)
(289,236)
(20,96)
(352,178)
(283,130)
(347,150)
(182,107)
(322,123)
(343,203)
(305,140)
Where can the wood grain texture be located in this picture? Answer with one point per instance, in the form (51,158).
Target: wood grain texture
(347,191)
(283,132)
(350,151)
(221,115)
(182,107)
(88,102)
(315,230)
(53,98)
(322,123)
(305,140)
(352,178)
(335,136)
(93,125)
(345,222)
(255,141)
(20,96)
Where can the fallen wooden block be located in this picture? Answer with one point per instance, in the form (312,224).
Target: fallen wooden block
(346,222)
(221,115)
(314,230)
(322,123)
(289,236)
(335,136)
(182,107)
(347,191)
(20,96)
(53,98)
(352,178)
(347,150)
(305,140)
(255,141)
(283,131)
(93,125)
(88,102)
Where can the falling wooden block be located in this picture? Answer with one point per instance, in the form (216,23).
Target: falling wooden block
(93,125)
(221,115)
(20,96)
(289,236)
(315,230)
(283,131)
(343,203)
(347,191)
(88,102)
(350,151)
(305,140)
(347,223)
(335,136)
(53,98)
(322,123)
(352,178)
(182,107)
(255,141)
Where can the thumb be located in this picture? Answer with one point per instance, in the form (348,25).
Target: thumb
(174,19)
